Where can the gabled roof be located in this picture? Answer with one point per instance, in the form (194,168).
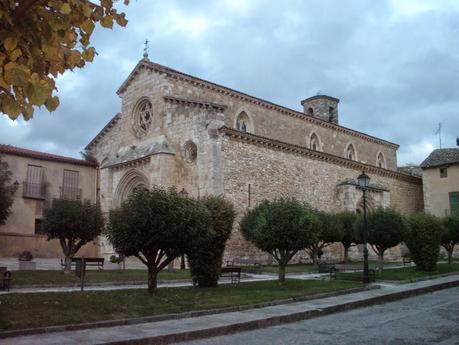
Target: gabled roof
(146,63)
(441,157)
(18,151)
(106,128)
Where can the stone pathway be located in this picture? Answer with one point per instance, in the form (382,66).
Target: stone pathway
(217,324)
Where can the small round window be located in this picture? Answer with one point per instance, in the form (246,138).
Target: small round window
(190,151)
(143,117)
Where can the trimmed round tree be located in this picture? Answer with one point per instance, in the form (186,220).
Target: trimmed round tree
(346,220)
(157,226)
(423,237)
(329,231)
(385,230)
(206,255)
(450,235)
(6,192)
(281,227)
(73,223)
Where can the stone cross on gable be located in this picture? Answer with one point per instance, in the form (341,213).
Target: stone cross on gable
(145,49)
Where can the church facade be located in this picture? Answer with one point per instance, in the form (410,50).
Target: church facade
(178,130)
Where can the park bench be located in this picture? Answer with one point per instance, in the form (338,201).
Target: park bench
(326,267)
(354,276)
(251,264)
(96,262)
(407,261)
(232,272)
(5,279)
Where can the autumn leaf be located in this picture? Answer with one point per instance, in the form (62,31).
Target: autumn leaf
(10,43)
(11,107)
(88,54)
(88,26)
(38,91)
(65,8)
(107,22)
(52,103)
(17,75)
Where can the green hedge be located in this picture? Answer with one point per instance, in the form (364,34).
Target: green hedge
(423,239)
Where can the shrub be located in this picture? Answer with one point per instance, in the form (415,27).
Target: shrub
(281,227)
(385,229)
(423,239)
(25,256)
(450,235)
(206,255)
(157,226)
(73,223)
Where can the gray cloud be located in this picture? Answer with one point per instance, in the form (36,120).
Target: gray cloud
(394,65)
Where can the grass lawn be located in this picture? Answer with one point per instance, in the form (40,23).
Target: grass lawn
(59,278)
(310,268)
(45,309)
(407,273)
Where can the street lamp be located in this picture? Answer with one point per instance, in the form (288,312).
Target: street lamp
(183,194)
(364,182)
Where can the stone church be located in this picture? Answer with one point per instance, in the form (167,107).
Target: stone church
(178,130)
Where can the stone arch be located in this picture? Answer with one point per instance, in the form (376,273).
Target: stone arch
(243,122)
(131,179)
(380,160)
(103,162)
(350,152)
(314,142)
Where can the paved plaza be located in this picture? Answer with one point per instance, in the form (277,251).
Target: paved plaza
(426,319)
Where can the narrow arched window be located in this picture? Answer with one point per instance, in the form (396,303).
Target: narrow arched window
(310,111)
(380,161)
(243,122)
(314,143)
(350,152)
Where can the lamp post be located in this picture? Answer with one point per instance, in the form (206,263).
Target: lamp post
(183,194)
(364,182)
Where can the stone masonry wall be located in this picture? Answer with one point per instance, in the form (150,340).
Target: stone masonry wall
(275,173)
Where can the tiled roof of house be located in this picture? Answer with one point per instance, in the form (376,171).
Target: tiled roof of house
(18,151)
(441,157)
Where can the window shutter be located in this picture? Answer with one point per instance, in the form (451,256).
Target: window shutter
(454,203)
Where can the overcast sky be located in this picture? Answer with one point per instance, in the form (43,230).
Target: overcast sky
(393,64)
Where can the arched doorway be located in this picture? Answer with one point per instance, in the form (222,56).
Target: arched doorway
(130,180)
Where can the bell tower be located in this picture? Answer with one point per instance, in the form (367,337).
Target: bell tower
(323,107)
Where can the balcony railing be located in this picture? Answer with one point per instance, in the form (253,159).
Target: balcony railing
(34,190)
(70,193)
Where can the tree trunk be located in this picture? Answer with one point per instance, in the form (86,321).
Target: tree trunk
(346,255)
(152,280)
(67,264)
(381,261)
(313,255)
(281,272)
(450,255)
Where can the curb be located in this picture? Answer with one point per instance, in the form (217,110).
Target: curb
(120,283)
(175,316)
(278,320)
(420,279)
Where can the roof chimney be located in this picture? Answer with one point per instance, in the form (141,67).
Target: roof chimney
(323,107)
